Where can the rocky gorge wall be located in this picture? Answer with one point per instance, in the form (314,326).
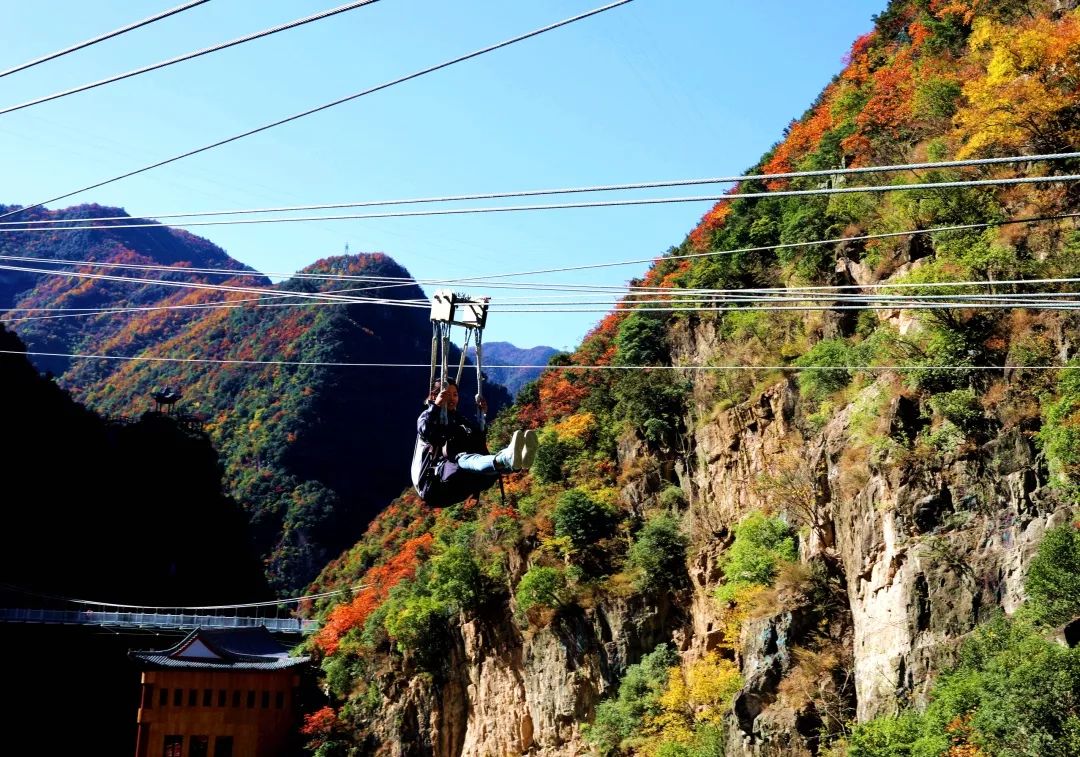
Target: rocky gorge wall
(921,549)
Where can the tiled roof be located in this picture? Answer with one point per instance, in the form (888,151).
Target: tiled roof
(154,660)
(222,649)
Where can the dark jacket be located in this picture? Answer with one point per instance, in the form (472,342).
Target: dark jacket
(458,434)
(435,474)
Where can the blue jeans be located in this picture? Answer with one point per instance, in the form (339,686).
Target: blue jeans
(477,463)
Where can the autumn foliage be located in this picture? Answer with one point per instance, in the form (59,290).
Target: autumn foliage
(1025,96)
(377,583)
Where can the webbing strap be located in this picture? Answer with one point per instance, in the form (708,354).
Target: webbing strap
(434,354)
(445,372)
(481,418)
(464,352)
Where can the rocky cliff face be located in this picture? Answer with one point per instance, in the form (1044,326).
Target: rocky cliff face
(517,692)
(919,495)
(921,549)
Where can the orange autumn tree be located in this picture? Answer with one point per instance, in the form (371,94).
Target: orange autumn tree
(803,137)
(321,727)
(377,583)
(710,222)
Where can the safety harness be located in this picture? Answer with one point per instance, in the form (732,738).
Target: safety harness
(449,309)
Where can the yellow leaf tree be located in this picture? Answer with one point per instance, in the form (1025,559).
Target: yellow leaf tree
(1026,96)
(696,697)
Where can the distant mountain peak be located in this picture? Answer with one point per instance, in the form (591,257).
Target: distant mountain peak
(505,353)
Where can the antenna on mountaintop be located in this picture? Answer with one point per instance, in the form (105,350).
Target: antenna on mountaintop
(346,248)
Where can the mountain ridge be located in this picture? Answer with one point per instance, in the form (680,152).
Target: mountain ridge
(506,353)
(311,448)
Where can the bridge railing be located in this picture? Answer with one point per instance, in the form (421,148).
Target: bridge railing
(134,619)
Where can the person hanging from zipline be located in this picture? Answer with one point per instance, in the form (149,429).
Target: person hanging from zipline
(451,461)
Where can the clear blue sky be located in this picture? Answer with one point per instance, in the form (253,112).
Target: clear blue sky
(654,90)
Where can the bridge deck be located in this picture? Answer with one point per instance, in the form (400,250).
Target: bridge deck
(115,619)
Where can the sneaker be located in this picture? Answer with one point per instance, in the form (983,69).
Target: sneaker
(532,442)
(516,448)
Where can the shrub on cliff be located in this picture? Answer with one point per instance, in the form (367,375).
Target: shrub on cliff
(1060,435)
(827,372)
(621,718)
(551,455)
(456,578)
(582,519)
(541,587)
(961,407)
(652,403)
(704,742)
(1013,693)
(659,555)
(761,545)
(886,737)
(642,339)
(1053,580)
(416,622)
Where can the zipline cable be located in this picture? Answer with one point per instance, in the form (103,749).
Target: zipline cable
(239,605)
(339,101)
(220,287)
(1029,300)
(635,291)
(570,190)
(783,246)
(571,205)
(666,297)
(101,38)
(426,366)
(189,56)
(487,279)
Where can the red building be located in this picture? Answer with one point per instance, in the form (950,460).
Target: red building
(218,693)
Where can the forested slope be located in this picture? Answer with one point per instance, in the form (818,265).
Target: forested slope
(311,452)
(778,560)
(127,512)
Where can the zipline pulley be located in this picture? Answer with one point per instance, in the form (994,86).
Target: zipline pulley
(451,309)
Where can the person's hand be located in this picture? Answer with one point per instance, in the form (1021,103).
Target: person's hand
(481,404)
(440,398)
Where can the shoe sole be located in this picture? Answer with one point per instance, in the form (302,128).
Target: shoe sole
(518,450)
(532,442)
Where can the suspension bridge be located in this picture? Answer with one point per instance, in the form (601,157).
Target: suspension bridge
(155,619)
(280,616)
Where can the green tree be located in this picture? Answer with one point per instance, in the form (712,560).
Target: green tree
(551,455)
(455,578)
(761,544)
(1060,435)
(621,717)
(642,340)
(653,403)
(960,406)
(582,519)
(886,737)
(659,554)
(541,587)
(827,368)
(1053,580)
(416,622)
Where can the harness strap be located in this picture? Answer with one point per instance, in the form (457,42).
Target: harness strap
(464,352)
(434,354)
(481,419)
(445,358)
